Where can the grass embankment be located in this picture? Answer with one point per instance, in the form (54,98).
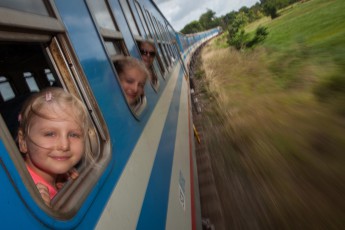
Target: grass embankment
(276,127)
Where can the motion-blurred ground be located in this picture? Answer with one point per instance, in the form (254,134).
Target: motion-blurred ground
(277,153)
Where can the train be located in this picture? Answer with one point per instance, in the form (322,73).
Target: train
(144,175)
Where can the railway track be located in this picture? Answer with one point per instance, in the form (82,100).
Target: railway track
(211,208)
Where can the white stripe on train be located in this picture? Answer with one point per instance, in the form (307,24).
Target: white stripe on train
(129,192)
(179,207)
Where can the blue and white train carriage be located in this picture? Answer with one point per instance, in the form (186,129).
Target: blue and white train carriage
(145,177)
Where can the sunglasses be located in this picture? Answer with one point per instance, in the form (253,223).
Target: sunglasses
(148,53)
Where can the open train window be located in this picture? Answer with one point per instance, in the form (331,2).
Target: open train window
(19,59)
(160,58)
(148,51)
(113,38)
(133,25)
(35,54)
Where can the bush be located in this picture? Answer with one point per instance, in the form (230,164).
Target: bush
(239,40)
(260,35)
(236,35)
(270,9)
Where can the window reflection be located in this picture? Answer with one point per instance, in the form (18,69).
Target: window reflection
(6,89)
(30,6)
(50,77)
(102,15)
(143,22)
(30,80)
(129,16)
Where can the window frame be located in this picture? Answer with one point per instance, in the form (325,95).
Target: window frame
(17,26)
(161,62)
(116,37)
(130,19)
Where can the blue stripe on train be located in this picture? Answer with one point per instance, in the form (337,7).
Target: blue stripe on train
(154,210)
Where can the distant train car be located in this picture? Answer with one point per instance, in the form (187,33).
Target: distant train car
(144,176)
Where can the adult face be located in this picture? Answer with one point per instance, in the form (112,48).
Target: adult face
(148,53)
(133,82)
(53,145)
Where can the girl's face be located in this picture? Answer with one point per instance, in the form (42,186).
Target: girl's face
(147,53)
(132,82)
(54,145)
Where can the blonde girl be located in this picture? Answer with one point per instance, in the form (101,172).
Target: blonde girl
(53,126)
(132,76)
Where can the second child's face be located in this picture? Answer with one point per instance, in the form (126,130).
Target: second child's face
(54,146)
(147,58)
(133,83)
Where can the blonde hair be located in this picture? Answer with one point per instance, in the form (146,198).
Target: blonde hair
(149,42)
(57,96)
(125,62)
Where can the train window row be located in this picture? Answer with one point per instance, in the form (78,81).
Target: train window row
(143,33)
(36,54)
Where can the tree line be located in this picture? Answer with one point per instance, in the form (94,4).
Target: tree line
(263,8)
(235,22)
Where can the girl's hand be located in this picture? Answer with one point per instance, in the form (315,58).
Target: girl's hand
(62,179)
(44,193)
(72,174)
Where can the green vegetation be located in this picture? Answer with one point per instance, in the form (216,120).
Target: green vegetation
(208,20)
(275,129)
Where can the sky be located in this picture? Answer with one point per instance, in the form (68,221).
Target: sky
(181,12)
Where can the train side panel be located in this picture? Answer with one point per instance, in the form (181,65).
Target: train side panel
(149,181)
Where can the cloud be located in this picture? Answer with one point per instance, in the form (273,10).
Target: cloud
(181,12)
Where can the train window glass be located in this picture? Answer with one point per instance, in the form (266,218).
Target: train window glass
(101,13)
(160,41)
(112,37)
(165,34)
(6,89)
(130,18)
(67,200)
(113,48)
(143,22)
(166,38)
(149,22)
(173,54)
(157,28)
(50,77)
(165,55)
(30,80)
(30,6)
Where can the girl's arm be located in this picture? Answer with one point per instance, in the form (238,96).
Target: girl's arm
(44,191)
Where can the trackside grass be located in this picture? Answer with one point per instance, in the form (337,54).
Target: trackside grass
(275,121)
